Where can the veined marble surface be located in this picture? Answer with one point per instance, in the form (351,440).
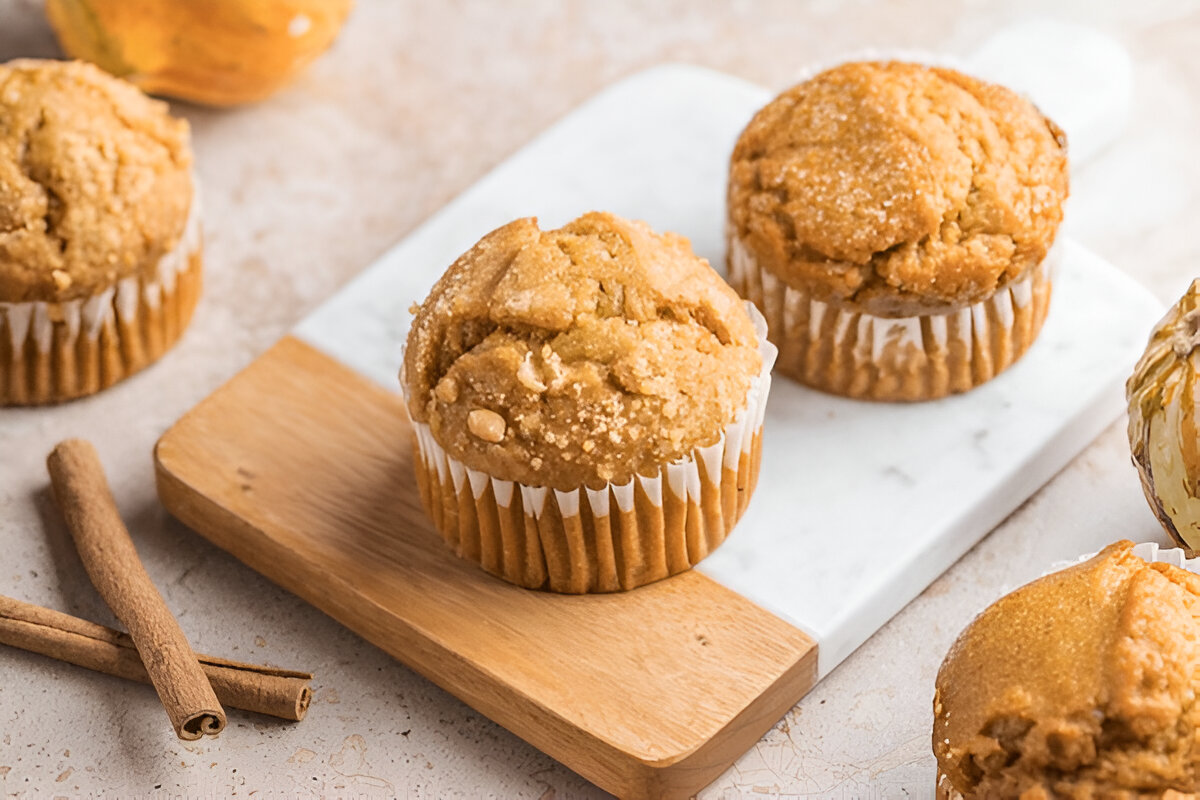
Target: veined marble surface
(915,485)
(414,104)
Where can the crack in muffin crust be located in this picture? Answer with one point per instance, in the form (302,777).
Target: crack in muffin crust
(898,189)
(605,350)
(1081,684)
(95,181)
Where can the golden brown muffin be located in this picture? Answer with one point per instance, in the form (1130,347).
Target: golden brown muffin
(99,236)
(1081,684)
(591,352)
(577,359)
(873,203)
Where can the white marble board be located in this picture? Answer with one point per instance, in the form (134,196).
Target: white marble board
(860,505)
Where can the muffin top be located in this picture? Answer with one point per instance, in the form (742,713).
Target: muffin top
(1080,684)
(578,356)
(95,180)
(896,188)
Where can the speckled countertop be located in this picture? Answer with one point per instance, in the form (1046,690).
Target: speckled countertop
(415,102)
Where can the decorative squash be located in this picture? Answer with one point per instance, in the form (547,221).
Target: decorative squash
(217,52)
(1164,419)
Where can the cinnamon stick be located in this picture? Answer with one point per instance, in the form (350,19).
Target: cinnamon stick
(266,690)
(112,563)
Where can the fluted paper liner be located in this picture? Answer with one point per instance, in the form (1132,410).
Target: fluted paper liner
(599,540)
(51,352)
(1149,552)
(851,353)
(867,357)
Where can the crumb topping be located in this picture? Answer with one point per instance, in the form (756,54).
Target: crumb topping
(95,180)
(579,356)
(898,188)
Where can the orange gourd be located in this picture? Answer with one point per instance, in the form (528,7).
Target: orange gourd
(217,52)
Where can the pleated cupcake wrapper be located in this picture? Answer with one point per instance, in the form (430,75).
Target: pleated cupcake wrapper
(50,352)
(961,350)
(852,353)
(617,537)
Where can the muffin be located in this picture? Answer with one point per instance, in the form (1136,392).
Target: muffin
(99,231)
(1080,684)
(894,224)
(587,404)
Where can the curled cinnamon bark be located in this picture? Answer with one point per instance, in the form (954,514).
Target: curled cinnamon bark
(112,563)
(266,690)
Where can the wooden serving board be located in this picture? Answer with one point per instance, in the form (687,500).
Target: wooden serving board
(300,466)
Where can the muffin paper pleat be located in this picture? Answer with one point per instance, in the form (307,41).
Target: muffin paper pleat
(855,354)
(51,352)
(609,539)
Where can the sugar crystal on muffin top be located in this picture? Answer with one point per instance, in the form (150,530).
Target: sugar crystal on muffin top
(1081,684)
(95,181)
(898,188)
(579,356)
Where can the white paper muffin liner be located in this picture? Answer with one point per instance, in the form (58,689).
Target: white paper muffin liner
(852,353)
(609,539)
(55,351)
(893,359)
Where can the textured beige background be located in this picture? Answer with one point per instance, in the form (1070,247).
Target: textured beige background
(414,103)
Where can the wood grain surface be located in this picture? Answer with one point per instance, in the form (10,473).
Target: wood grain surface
(414,103)
(302,469)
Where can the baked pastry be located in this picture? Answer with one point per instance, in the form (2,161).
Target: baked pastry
(99,231)
(1081,684)
(1162,399)
(587,404)
(894,224)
